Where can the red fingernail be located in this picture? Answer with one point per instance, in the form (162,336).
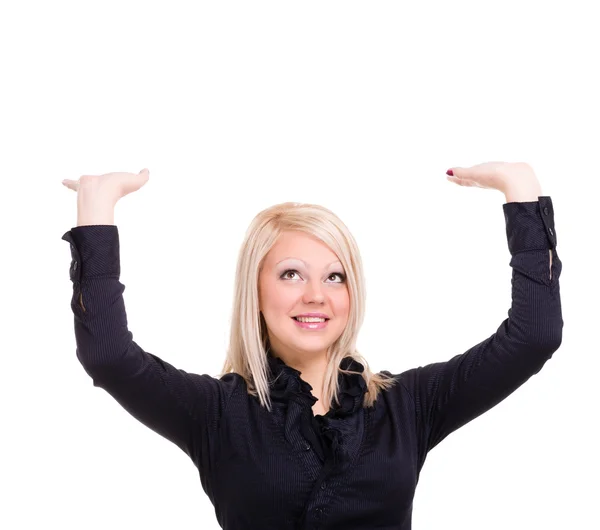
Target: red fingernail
(449,172)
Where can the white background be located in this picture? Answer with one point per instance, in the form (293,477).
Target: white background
(358,106)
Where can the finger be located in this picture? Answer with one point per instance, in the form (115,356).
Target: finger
(462,182)
(144,174)
(460,173)
(454,178)
(71,184)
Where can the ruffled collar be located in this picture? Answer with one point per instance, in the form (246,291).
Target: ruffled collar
(325,433)
(286,384)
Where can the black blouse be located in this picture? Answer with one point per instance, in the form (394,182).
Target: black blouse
(353,468)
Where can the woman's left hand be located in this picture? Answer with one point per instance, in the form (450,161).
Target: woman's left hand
(516,180)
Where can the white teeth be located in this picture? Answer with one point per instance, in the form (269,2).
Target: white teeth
(309,319)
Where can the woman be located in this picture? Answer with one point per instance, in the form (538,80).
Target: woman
(297,432)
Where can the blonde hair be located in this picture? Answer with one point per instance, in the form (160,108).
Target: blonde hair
(249,342)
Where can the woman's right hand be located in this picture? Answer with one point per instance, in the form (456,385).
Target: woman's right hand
(97,195)
(110,186)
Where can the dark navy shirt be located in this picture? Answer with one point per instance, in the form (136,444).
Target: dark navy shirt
(353,468)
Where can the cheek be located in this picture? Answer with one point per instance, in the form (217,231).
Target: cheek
(343,302)
(279,300)
(340,306)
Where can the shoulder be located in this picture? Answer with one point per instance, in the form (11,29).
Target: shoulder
(404,382)
(231,381)
(221,387)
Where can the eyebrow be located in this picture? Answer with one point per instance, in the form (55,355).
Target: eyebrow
(291,257)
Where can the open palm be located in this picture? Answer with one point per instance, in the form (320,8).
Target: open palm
(111,185)
(493,175)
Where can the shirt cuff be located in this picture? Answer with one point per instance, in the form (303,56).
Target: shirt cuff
(94,251)
(530,225)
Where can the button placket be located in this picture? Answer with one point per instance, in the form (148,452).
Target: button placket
(548,219)
(75,270)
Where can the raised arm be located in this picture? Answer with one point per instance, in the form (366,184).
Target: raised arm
(447,395)
(183,407)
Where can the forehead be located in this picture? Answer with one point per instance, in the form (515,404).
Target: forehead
(293,244)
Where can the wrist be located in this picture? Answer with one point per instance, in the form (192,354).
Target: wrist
(521,197)
(520,184)
(93,209)
(523,193)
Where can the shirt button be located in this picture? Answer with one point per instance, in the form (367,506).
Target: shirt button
(307,447)
(323,486)
(546,210)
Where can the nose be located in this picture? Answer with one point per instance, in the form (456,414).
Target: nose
(313,293)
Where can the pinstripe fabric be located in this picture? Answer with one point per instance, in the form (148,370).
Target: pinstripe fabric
(355,468)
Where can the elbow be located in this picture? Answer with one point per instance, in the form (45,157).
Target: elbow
(547,337)
(106,361)
(551,341)
(548,346)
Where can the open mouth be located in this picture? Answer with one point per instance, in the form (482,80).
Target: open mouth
(321,324)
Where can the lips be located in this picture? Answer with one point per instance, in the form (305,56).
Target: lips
(311,326)
(311,314)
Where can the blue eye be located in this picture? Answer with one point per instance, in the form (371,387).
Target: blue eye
(341,275)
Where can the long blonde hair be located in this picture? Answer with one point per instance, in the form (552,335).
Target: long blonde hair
(248,341)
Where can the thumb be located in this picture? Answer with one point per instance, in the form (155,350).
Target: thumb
(71,184)
(144,175)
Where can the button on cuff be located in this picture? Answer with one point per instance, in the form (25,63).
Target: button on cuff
(75,268)
(94,251)
(530,225)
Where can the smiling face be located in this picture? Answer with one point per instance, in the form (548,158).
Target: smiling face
(300,275)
